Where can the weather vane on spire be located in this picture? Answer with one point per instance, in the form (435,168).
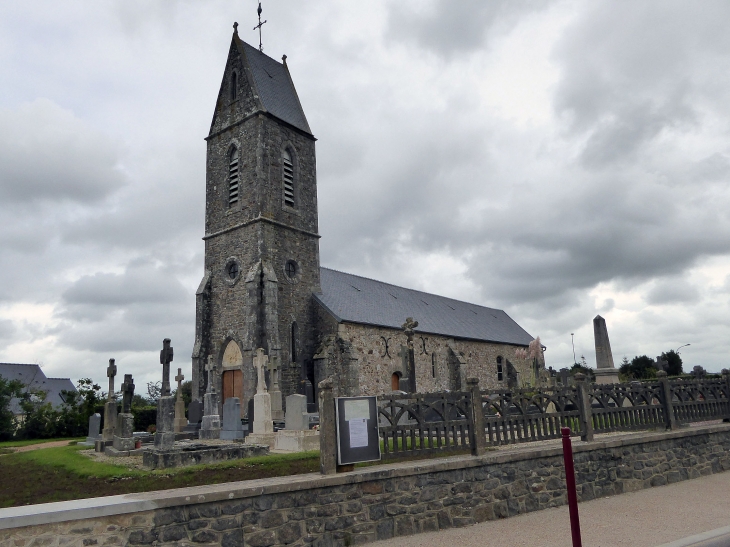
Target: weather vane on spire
(261,47)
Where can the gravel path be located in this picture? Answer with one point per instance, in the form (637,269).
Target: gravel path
(640,519)
(38,446)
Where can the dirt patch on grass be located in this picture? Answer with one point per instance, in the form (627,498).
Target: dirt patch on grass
(26,482)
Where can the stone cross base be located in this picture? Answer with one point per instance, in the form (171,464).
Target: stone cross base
(110,420)
(262,421)
(276,409)
(210,427)
(606,376)
(296,441)
(262,439)
(180,420)
(123,438)
(165,434)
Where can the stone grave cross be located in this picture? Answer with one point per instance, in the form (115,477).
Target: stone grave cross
(165,360)
(128,393)
(179,378)
(210,369)
(111,372)
(260,361)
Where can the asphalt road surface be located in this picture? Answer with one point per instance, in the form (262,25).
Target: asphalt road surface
(657,516)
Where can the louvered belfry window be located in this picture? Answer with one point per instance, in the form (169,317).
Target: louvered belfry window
(233,178)
(288,168)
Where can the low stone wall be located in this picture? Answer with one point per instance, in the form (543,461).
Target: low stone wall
(376,502)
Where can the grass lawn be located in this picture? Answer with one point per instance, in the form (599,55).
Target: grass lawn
(62,473)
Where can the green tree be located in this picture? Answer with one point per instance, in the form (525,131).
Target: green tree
(640,368)
(675,362)
(9,389)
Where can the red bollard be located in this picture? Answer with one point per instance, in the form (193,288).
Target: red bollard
(570,483)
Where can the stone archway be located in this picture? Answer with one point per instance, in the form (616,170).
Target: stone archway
(232,377)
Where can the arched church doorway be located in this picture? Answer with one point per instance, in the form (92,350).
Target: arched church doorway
(395,381)
(232,377)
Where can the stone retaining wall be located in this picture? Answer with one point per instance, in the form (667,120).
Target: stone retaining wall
(373,503)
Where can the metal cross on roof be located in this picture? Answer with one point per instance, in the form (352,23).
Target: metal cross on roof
(261,47)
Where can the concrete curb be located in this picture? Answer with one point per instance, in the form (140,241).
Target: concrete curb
(714,538)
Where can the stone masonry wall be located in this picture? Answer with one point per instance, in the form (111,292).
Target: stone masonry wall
(431,355)
(378,503)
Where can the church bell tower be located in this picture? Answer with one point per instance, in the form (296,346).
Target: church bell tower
(261,235)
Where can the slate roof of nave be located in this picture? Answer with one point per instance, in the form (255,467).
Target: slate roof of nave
(354,299)
(31,375)
(275,88)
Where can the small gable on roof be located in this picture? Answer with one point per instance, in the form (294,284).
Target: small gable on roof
(262,85)
(354,299)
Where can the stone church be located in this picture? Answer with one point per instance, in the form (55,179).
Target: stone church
(263,286)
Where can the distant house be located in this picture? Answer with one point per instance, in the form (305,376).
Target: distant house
(32,377)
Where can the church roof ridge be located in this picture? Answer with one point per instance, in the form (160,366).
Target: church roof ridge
(357,299)
(412,290)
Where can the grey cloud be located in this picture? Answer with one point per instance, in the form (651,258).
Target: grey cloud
(447,27)
(672,291)
(46,154)
(7,330)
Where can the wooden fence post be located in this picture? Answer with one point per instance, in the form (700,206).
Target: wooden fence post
(669,417)
(586,411)
(477,437)
(327,429)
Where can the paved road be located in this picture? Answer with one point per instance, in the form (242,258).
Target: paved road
(640,519)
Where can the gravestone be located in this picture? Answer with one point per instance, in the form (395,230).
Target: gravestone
(564,375)
(309,394)
(195,415)
(210,427)
(180,421)
(277,412)
(123,436)
(698,372)
(110,407)
(661,364)
(296,413)
(606,372)
(165,433)
(94,426)
(263,426)
(232,427)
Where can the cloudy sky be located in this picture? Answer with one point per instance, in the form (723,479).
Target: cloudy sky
(556,159)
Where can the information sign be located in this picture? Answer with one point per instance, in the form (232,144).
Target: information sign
(357,430)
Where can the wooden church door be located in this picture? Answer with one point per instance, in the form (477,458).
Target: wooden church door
(232,384)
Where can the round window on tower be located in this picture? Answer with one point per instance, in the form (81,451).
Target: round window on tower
(232,271)
(292,271)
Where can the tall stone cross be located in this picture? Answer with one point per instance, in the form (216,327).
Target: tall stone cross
(165,360)
(408,327)
(179,378)
(210,369)
(111,372)
(127,393)
(260,361)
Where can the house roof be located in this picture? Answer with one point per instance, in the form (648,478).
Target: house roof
(354,299)
(274,87)
(32,376)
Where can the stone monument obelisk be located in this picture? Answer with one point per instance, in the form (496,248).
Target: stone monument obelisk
(180,420)
(277,411)
(110,407)
(165,433)
(123,435)
(606,372)
(210,427)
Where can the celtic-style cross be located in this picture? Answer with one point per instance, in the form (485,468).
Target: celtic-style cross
(408,327)
(127,393)
(111,372)
(165,360)
(179,378)
(261,47)
(210,369)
